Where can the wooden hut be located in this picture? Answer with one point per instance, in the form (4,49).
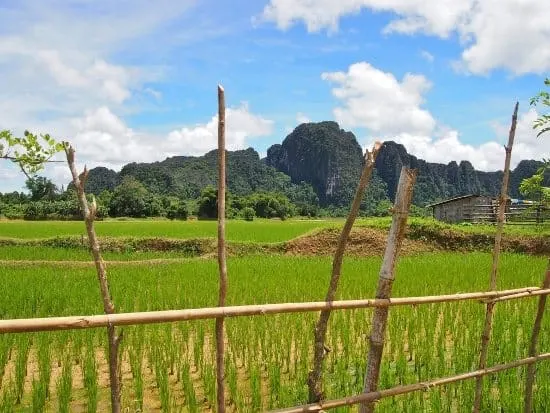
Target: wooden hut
(471,208)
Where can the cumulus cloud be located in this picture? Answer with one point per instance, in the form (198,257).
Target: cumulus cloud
(494,33)
(241,125)
(377,100)
(101,138)
(98,77)
(301,118)
(58,60)
(427,56)
(392,110)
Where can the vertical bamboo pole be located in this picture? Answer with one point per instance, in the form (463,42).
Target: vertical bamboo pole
(314,378)
(531,368)
(89,211)
(486,336)
(400,211)
(222,261)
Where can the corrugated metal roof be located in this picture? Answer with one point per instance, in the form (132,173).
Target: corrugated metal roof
(453,199)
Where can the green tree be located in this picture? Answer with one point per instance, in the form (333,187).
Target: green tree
(248,214)
(41,188)
(29,152)
(271,205)
(304,198)
(130,199)
(208,203)
(543,121)
(176,209)
(533,187)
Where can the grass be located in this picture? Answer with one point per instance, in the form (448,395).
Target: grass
(178,359)
(260,231)
(237,230)
(468,228)
(43,253)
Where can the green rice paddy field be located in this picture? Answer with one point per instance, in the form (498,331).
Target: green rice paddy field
(171,367)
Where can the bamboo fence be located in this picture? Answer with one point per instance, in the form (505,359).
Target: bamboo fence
(382,302)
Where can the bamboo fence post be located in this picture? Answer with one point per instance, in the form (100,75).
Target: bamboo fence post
(400,211)
(531,368)
(486,336)
(314,378)
(89,211)
(222,259)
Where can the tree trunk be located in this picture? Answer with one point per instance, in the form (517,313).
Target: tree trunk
(89,211)
(402,203)
(314,378)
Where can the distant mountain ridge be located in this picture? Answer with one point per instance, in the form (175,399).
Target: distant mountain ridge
(319,154)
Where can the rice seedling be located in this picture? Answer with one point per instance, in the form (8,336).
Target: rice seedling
(8,399)
(188,389)
(136,361)
(23,347)
(64,387)
(263,230)
(39,393)
(268,358)
(89,372)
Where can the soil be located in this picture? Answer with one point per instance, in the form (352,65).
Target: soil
(365,242)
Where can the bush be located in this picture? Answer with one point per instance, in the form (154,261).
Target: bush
(248,214)
(177,211)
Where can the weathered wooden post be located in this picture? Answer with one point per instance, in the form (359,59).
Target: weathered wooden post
(222,261)
(531,368)
(89,211)
(396,235)
(486,336)
(314,377)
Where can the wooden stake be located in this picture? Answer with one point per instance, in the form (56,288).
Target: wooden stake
(409,388)
(314,377)
(89,211)
(486,336)
(27,325)
(222,260)
(402,203)
(531,368)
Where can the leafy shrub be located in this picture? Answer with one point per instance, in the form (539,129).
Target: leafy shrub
(248,214)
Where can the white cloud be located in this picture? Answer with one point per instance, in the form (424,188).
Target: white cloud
(377,100)
(241,125)
(99,77)
(526,143)
(101,138)
(392,110)
(427,56)
(507,34)
(61,59)
(301,118)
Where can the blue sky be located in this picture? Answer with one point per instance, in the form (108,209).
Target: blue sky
(136,80)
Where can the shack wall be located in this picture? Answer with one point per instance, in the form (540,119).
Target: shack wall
(465,209)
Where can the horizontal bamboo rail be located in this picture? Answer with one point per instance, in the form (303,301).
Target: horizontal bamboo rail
(520,295)
(409,388)
(149,317)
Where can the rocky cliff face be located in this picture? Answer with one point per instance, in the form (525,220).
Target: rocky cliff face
(439,181)
(323,155)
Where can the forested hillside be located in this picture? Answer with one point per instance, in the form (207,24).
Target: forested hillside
(318,154)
